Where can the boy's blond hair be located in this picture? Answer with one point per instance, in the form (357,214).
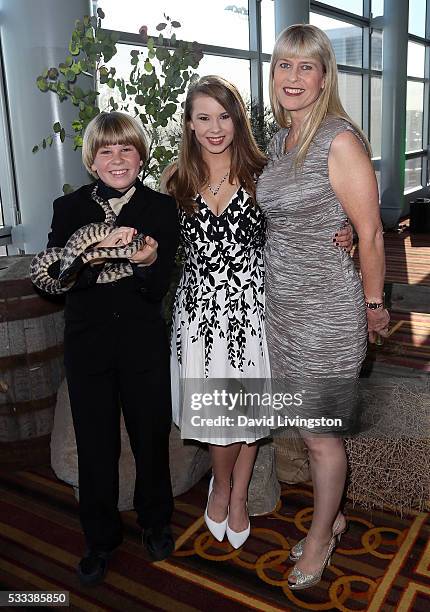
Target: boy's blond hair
(110,129)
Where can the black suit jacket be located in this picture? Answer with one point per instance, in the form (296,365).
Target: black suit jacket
(119,323)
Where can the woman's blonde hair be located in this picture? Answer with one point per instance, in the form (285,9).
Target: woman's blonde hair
(190,173)
(110,129)
(309,41)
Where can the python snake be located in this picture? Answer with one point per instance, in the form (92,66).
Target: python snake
(81,249)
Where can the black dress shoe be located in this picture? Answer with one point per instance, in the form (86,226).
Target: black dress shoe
(92,567)
(159,542)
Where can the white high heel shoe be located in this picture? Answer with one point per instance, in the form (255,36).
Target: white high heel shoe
(238,538)
(217,529)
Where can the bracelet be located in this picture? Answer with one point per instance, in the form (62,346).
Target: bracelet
(374,305)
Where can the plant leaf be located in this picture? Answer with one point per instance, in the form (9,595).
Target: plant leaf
(42,84)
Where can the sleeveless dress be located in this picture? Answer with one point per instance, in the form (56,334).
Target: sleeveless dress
(218,333)
(315,314)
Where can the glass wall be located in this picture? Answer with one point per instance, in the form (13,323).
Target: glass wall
(417,100)
(228,27)
(211,23)
(358,49)
(267,25)
(8,202)
(417,17)
(357,41)
(347,39)
(226,30)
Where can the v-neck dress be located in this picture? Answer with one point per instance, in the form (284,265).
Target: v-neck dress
(218,319)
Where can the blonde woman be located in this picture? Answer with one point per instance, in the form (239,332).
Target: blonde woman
(318,311)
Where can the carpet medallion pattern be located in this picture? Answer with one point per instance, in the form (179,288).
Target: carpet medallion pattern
(382,562)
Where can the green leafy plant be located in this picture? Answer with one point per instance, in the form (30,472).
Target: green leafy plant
(159,76)
(263,125)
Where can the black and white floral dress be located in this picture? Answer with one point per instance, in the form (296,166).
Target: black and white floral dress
(218,318)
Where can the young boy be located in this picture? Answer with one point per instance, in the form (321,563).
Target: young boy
(116,349)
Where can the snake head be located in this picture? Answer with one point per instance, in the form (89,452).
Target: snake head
(67,273)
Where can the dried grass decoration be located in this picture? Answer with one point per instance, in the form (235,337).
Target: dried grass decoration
(390,462)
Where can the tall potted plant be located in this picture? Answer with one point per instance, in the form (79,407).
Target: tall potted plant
(159,75)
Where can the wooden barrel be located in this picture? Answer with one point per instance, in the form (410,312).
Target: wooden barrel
(31,365)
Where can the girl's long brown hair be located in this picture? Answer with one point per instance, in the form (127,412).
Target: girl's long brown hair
(190,173)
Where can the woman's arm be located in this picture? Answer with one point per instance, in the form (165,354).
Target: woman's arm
(353,180)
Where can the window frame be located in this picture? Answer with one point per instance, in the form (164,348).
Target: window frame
(424,152)
(366,71)
(8,192)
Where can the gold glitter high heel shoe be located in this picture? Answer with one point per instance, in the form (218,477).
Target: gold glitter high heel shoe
(304,581)
(297,550)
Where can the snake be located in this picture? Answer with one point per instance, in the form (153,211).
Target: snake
(81,249)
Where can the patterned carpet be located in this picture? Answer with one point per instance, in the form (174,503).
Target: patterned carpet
(383,562)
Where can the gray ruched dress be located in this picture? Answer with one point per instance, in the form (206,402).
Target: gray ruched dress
(315,314)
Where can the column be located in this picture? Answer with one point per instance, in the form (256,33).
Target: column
(395,52)
(289,12)
(35,35)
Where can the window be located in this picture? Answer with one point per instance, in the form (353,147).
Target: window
(417,17)
(378,180)
(267,25)
(235,70)
(417,98)
(211,23)
(414,116)
(416,60)
(358,45)
(350,91)
(8,201)
(377,8)
(266,75)
(376,50)
(413,173)
(352,6)
(218,24)
(357,41)
(347,39)
(375,115)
